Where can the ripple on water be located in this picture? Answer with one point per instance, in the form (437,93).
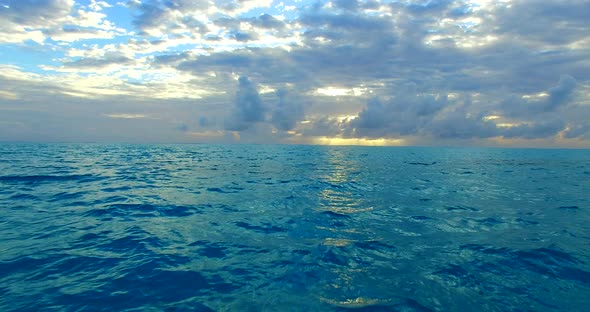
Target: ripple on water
(142,211)
(95,227)
(32,179)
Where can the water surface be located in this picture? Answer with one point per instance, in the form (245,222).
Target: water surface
(90,227)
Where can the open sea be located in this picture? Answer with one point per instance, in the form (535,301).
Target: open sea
(92,227)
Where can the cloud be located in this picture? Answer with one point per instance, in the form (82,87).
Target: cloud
(406,114)
(428,115)
(459,126)
(559,94)
(35,13)
(100,62)
(205,122)
(243,36)
(248,108)
(157,17)
(267,21)
(126,116)
(540,129)
(553,99)
(348,5)
(288,112)
(345,21)
(554,22)
(423,70)
(578,131)
(391,50)
(324,127)
(23,20)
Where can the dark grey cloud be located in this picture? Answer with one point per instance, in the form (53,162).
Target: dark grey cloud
(227,22)
(288,111)
(167,15)
(152,14)
(248,108)
(463,120)
(34,12)
(581,130)
(429,7)
(539,129)
(267,21)
(183,128)
(324,126)
(349,5)
(243,36)
(559,95)
(460,125)
(555,21)
(437,117)
(205,122)
(99,62)
(406,114)
(270,66)
(345,21)
(169,59)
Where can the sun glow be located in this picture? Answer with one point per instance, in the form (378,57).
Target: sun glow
(336,91)
(358,141)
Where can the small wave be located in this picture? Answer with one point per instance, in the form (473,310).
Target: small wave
(416,163)
(461,208)
(50,178)
(220,190)
(547,262)
(210,250)
(374,245)
(569,207)
(421,218)
(333,214)
(66,196)
(266,228)
(22,196)
(143,210)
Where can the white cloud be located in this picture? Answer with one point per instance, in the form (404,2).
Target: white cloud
(336,91)
(126,116)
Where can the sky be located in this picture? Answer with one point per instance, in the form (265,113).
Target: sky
(365,72)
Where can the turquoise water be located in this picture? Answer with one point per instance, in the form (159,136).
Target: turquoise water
(90,227)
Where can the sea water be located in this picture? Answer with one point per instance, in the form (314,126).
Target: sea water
(91,227)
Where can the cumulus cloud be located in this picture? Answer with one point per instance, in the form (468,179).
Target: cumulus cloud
(405,114)
(158,17)
(324,127)
(267,21)
(22,20)
(542,102)
(34,13)
(95,63)
(59,20)
(205,122)
(436,116)
(559,94)
(538,129)
(248,108)
(581,130)
(288,112)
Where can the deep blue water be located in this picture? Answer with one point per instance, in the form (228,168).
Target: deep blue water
(89,227)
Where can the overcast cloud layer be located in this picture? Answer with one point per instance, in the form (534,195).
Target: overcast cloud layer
(514,73)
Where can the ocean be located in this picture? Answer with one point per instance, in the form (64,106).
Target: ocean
(94,227)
